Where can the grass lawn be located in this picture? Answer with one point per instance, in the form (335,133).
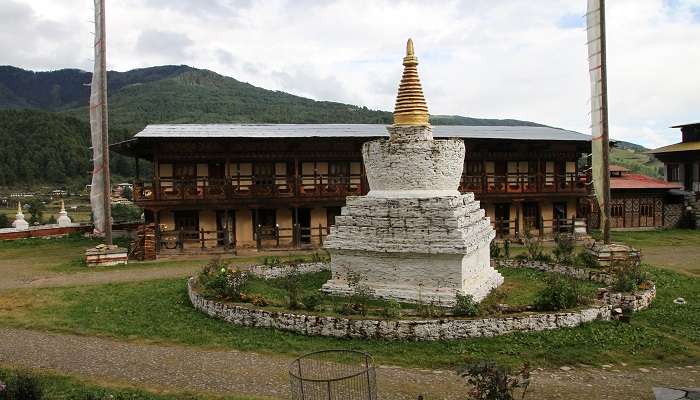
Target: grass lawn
(33,257)
(674,249)
(55,386)
(159,311)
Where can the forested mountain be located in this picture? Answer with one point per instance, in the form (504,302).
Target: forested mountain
(182,94)
(38,146)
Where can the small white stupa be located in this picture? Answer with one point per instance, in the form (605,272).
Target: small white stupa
(19,223)
(63,219)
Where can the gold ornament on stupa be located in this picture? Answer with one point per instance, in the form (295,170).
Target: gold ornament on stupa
(410,108)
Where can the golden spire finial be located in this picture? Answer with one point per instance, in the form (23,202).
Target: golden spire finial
(410,108)
(19,207)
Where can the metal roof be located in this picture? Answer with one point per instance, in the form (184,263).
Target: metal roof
(638,181)
(672,148)
(206,131)
(684,125)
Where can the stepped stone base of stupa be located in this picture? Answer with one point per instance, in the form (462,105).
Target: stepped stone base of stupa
(413,249)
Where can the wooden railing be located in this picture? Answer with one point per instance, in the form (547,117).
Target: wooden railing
(249,186)
(538,226)
(325,185)
(524,183)
(296,236)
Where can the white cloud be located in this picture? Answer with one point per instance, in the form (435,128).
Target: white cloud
(505,59)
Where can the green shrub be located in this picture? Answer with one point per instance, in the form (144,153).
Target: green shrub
(628,276)
(312,301)
(564,248)
(587,260)
(534,247)
(494,249)
(465,305)
(392,309)
(542,257)
(292,283)
(319,257)
(272,261)
(126,212)
(22,386)
(5,221)
(345,309)
(490,381)
(221,282)
(362,293)
(559,294)
(430,310)
(506,248)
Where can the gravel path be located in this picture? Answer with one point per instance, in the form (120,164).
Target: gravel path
(179,368)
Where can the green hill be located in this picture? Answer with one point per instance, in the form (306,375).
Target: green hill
(42,147)
(182,94)
(633,157)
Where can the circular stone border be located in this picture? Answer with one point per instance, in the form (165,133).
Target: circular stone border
(414,330)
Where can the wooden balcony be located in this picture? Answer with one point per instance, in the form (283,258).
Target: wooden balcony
(524,183)
(323,186)
(242,187)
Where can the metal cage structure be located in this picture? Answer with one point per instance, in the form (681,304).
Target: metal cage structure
(333,375)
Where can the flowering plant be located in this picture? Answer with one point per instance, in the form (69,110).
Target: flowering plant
(222,282)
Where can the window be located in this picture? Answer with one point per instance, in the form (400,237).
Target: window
(673,173)
(646,210)
(617,210)
(188,222)
(339,172)
(184,171)
(265,217)
(472,168)
(263,173)
(531,213)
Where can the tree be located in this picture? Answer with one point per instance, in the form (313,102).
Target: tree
(37,208)
(124,212)
(4,221)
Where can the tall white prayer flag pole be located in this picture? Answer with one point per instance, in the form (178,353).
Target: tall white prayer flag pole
(100,189)
(595,28)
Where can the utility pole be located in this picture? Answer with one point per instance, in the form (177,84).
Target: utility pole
(605,139)
(105,128)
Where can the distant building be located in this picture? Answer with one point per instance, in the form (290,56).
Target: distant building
(682,160)
(682,166)
(58,193)
(639,202)
(234,185)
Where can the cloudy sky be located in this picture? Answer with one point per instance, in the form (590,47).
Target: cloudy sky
(479,58)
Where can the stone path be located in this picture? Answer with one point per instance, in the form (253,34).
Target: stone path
(178,368)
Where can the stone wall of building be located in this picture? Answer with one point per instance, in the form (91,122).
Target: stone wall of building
(673,215)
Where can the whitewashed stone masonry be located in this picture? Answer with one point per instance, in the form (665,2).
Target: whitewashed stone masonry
(414,236)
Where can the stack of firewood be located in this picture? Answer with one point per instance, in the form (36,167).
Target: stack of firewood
(144,246)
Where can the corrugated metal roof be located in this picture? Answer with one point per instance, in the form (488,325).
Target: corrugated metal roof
(204,131)
(683,146)
(637,181)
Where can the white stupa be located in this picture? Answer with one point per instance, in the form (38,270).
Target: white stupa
(63,219)
(414,236)
(19,223)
